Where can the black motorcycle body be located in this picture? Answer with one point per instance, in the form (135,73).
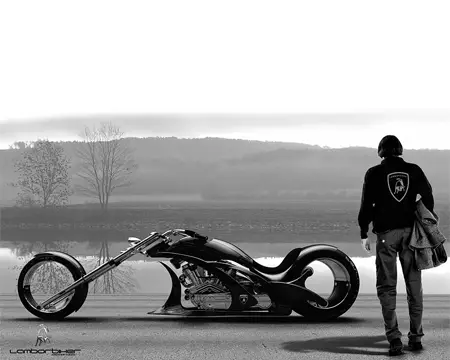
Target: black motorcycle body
(218,279)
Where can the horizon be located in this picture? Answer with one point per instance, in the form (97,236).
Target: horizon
(225,138)
(334,131)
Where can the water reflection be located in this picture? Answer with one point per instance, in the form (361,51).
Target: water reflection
(149,277)
(50,278)
(117,281)
(144,275)
(87,242)
(25,249)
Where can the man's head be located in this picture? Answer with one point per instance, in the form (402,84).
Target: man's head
(390,146)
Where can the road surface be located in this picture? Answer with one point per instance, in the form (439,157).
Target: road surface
(118,327)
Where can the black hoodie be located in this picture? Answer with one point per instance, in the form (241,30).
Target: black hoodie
(389,195)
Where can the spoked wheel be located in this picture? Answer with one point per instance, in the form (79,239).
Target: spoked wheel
(45,276)
(345,286)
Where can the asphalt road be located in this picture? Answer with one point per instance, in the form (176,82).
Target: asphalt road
(118,327)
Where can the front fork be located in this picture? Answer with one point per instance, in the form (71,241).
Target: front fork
(137,246)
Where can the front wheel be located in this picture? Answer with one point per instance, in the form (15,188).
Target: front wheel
(46,275)
(345,290)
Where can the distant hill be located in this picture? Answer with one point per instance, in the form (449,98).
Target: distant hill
(224,169)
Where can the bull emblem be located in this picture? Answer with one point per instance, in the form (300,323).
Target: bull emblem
(42,336)
(243,298)
(398,184)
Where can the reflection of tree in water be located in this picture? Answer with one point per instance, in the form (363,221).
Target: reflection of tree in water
(119,280)
(27,249)
(52,277)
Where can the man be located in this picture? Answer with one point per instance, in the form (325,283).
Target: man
(388,200)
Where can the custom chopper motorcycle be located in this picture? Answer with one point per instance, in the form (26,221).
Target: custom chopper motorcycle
(218,279)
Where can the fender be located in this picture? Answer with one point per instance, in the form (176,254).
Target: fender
(313,248)
(66,257)
(74,262)
(302,261)
(304,258)
(295,271)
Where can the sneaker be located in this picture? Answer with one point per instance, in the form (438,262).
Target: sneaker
(415,346)
(395,347)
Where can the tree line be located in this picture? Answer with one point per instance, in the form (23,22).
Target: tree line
(106,163)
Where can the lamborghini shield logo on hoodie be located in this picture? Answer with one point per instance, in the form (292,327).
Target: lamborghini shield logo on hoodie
(398,184)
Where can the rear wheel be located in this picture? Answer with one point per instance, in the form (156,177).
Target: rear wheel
(45,276)
(345,288)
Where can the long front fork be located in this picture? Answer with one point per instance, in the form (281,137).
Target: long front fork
(138,246)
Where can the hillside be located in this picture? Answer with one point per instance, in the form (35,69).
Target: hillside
(223,169)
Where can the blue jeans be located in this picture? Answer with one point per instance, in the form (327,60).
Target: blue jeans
(388,245)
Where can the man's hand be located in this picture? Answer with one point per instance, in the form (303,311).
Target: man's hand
(365,243)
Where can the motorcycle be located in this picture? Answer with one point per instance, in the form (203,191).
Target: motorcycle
(218,279)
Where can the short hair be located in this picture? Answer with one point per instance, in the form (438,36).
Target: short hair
(390,145)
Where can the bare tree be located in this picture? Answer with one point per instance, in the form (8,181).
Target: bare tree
(106,162)
(43,177)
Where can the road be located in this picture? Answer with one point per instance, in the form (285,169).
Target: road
(118,327)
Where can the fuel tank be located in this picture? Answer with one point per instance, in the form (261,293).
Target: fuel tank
(211,250)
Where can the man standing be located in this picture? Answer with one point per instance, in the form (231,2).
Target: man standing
(388,200)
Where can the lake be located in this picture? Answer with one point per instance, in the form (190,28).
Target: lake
(146,276)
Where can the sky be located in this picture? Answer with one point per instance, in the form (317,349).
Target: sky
(328,73)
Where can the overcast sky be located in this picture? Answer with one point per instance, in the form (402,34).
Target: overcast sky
(342,73)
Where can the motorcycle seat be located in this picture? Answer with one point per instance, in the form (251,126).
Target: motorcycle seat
(287,262)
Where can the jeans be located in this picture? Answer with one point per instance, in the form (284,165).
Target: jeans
(388,245)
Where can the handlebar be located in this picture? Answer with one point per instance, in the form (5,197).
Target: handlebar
(174,232)
(191,233)
(185,232)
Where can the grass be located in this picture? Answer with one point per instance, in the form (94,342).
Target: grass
(251,217)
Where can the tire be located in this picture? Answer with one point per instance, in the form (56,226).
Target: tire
(342,298)
(77,299)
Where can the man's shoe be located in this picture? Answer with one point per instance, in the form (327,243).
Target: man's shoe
(415,346)
(395,347)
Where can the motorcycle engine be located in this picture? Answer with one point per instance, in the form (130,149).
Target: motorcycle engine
(206,291)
